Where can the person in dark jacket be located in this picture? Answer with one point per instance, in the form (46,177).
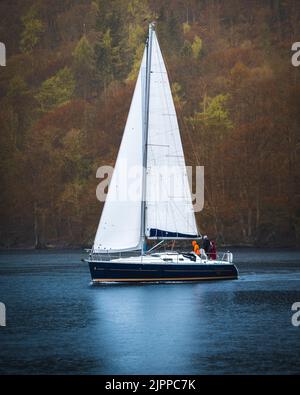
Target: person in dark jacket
(206,245)
(213,250)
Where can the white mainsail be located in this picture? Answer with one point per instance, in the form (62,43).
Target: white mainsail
(168,208)
(120,224)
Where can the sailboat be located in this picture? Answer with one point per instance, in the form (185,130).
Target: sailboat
(151,141)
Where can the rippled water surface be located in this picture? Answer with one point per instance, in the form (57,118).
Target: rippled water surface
(57,323)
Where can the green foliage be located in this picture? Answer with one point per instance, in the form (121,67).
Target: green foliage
(186,27)
(136,63)
(107,40)
(84,66)
(135,36)
(75,165)
(83,55)
(197,47)
(187,49)
(17,87)
(139,10)
(214,113)
(177,95)
(170,29)
(33,28)
(56,90)
(107,57)
(122,27)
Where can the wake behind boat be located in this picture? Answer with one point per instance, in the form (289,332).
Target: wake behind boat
(162,207)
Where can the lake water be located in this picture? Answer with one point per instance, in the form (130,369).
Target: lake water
(57,323)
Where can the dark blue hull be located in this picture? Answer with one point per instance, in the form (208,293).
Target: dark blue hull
(133,272)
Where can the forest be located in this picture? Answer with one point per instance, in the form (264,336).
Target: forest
(65,93)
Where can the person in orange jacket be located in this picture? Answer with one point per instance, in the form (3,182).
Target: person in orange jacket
(196,247)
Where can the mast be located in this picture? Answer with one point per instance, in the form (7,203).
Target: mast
(145,134)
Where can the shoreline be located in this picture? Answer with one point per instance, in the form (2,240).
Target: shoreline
(82,248)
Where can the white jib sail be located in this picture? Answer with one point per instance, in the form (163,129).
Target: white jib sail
(169,209)
(120,224)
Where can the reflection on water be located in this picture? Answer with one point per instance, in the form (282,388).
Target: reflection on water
(58,323)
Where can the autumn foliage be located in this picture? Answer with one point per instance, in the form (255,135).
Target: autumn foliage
(66,91)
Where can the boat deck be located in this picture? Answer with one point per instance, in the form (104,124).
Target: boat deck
(169,258)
